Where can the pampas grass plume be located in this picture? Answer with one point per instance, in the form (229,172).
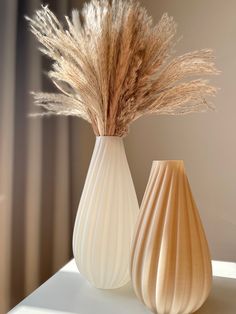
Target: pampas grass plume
(111,65)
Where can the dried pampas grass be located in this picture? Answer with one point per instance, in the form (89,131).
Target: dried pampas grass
(112,65)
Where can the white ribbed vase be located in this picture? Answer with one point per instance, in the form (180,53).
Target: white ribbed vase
(170,261)
(106,217)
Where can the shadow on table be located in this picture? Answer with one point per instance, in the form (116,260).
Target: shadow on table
(222,299)
(69,292)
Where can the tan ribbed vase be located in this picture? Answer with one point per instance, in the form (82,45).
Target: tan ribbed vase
(170,261)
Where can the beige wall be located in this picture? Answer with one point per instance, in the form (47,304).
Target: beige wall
(206,142)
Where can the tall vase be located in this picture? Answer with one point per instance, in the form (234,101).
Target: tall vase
(170,261)
(106,216)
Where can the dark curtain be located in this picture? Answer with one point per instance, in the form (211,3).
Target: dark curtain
(43,162)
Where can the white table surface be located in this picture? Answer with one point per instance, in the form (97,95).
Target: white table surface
(68,292)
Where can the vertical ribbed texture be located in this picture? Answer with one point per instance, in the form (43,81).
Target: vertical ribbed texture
(106,217)
(170,260)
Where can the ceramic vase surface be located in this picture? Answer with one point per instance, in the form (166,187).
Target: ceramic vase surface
(170,261)
(106,217)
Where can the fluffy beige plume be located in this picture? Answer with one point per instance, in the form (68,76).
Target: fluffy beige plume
(112,65)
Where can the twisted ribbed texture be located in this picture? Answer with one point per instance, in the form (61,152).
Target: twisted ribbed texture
(170,260)
(106,217)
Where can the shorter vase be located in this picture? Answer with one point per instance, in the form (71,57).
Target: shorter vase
(170,261)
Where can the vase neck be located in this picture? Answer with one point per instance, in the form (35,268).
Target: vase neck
(110,144)
(109,139)
(173,165)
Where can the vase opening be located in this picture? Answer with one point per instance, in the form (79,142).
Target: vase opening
(173,164)
(109,136)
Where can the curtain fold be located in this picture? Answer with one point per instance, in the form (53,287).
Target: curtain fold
(7,86)
(43,161)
